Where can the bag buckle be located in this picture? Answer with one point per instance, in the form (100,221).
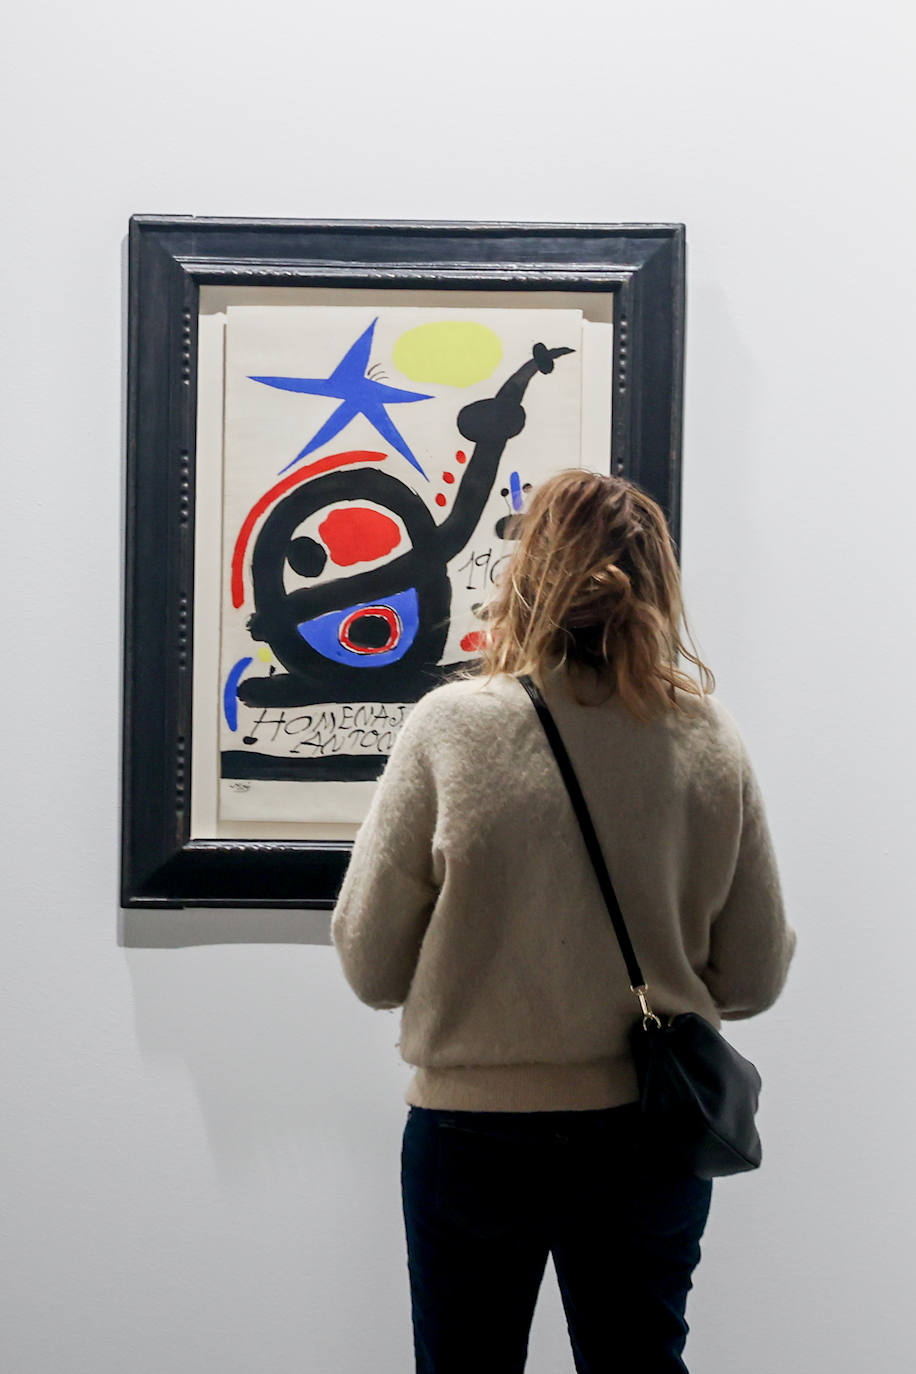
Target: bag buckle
(648,1013)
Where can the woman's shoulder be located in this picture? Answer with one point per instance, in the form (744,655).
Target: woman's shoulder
(706,709)
(444,702)
(460,695)
(709,731)
(703,722)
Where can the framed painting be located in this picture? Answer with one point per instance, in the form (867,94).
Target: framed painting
(333,429)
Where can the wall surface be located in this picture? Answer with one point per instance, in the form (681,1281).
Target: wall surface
(201,1124)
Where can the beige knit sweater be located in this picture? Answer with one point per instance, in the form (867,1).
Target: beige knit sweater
(470,898)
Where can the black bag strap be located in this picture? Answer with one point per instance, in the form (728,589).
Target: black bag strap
(588,830)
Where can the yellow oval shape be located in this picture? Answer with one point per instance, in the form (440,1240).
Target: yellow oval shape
(454,352)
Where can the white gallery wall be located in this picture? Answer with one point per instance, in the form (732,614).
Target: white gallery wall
(202,1125)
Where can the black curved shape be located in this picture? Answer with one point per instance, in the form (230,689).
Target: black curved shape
(311,676)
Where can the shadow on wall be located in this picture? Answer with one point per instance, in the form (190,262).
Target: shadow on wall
(139,929)
(724,544)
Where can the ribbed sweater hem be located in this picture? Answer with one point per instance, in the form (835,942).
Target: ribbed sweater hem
(525,1087)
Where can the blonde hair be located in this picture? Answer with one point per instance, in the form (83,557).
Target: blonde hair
(593,580)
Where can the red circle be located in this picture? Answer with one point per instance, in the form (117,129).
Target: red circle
(440,499)
(448,477)
(386,613)
(461,456)
(358,534)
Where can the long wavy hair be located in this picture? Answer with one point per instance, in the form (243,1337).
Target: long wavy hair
(593,581)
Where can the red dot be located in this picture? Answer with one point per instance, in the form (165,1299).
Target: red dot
(461,456)
(440,499)
(448,477)
(358,534)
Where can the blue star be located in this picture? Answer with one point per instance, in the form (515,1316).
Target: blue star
(358,395)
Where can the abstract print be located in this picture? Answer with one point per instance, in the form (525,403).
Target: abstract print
(375,466)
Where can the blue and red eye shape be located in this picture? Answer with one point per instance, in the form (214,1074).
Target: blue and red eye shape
(367,635)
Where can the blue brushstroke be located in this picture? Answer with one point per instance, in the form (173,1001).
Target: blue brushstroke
(322,632)
(230,699)
(515,490)
(358,394)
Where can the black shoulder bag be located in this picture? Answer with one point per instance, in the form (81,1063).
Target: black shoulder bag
(698,1095)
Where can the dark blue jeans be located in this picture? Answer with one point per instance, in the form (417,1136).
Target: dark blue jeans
(488,1195)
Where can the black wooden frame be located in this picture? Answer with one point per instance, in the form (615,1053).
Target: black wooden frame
(170,259)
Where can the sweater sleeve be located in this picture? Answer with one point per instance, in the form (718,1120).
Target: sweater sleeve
(388,891)
(751,943)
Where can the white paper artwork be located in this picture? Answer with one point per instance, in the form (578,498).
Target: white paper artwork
(374,462)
